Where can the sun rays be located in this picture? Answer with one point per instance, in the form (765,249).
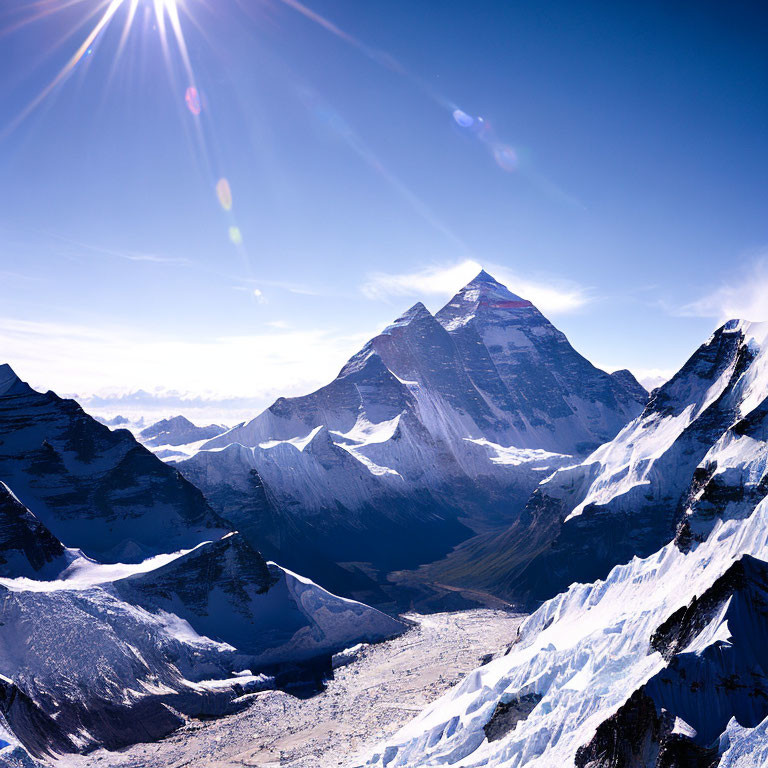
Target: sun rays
(166,13)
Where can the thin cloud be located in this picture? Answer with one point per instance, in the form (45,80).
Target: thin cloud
(299,288)
(745,297)
(125,255)
(152,257)
(554,297)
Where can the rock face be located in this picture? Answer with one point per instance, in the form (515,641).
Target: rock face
(40,734)
(27,547)
(92,487)
(440,427)
(679,715)
(664,662)
(548,394)
(631,385)
(695,455)
(177,430)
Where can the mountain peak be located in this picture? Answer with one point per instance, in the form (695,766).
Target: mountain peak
(485,278)
(482,293)
(417,312)
(485,286)
(10,383)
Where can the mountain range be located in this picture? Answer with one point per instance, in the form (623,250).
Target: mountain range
(436,431)
(128,605)
(661,661)
(473,449)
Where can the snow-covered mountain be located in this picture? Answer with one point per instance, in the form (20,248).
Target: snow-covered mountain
(660,478)
(110,654)
(664,661)
(121,422)
(177,430)
(95,488)
(153,607)
(440,427)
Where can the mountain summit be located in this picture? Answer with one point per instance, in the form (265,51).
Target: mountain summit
(438,427)
(10,383)
(482,294)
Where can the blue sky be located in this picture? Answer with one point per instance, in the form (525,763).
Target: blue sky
(617,179)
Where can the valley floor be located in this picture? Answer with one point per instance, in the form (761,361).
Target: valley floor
(366,701)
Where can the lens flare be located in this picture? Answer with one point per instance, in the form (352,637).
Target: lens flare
(236,236)
(224,193)
(505,157)
(463,119)
(192,99)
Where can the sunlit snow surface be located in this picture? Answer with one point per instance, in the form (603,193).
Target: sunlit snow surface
(627,461)
(584,652)
(84,573)
(479,394)
(588,649)
(183,629)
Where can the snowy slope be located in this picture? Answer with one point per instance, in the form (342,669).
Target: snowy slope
(664,662)
(623,668)
(94,488)
(633,494)
(176,437)
(440,427)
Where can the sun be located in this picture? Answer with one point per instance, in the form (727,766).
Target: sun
(166,11)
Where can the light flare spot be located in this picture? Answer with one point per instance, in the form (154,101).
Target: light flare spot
(236,236)
(463,119)
(192,98)
(506,157)
(224,193)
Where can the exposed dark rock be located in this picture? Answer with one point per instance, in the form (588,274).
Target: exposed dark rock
(637,736)
(94,488)
(487,367)
(628,739)
(26,545)
(508,714)
(631,385)
(683,625)
(542,553)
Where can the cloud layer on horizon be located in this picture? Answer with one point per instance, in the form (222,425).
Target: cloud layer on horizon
(105,365)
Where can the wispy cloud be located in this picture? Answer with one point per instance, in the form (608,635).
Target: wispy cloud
(745,296)
(550,296)
(301,289)
(125,255)
(150,257)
